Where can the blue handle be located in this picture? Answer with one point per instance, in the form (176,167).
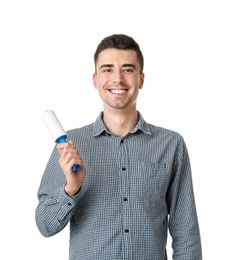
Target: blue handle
(76,167)
(63,139)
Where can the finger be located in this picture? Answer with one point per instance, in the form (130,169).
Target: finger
(65,147)
(69,162)
(71,142)
(69,155)
(62,145)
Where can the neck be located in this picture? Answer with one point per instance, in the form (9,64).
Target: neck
(120,122)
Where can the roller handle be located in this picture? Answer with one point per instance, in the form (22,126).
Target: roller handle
(63,139)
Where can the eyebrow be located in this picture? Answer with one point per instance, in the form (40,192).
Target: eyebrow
(124,65)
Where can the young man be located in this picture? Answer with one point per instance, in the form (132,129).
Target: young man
(135,181)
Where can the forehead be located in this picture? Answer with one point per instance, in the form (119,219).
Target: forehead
(115,56)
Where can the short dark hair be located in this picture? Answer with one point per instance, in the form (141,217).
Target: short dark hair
(120,42)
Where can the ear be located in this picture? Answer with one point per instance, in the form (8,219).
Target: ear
(142,78)
(94,79)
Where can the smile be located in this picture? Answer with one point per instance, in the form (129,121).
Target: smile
(118,91)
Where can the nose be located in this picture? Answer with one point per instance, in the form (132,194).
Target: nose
(118,77)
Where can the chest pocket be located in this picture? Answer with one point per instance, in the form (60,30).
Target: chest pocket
(151,179)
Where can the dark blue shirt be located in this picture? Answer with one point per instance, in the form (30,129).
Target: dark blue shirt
(136,188)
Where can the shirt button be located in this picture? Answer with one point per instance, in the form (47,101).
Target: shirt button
(125,199)
(123,169)
(122,141)
(126,230)
(69,204)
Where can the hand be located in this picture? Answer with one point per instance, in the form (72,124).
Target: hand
(68,157)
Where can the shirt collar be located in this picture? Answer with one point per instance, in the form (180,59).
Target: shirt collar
(99,127)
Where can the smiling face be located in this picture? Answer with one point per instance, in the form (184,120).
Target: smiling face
(118,78)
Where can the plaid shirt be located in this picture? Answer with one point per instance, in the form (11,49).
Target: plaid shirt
(136,188)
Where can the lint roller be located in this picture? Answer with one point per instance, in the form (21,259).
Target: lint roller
(56,131)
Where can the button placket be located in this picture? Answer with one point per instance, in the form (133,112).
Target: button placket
(125,196)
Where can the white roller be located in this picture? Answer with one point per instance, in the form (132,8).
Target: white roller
(53,125)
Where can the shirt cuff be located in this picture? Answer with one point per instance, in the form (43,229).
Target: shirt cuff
(67,203)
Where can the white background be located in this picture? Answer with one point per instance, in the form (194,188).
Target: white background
(46,62)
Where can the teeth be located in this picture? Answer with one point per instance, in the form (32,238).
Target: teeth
(118,91)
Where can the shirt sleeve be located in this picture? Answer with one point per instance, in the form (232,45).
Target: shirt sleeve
(183,220)
(55,207)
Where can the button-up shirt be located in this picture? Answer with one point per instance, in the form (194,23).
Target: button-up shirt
(137,187)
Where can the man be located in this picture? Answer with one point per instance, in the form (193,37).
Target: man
(135,181)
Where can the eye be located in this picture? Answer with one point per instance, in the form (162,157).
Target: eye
(128,70)
(107,71)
